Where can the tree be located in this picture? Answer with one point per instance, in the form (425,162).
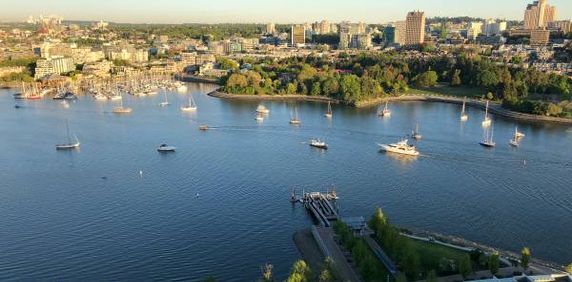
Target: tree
(300,272)
(327,273)
(569,269)
(494,263)
(465,267)
(553,110)
(350,88)
(377,220)
(316,90)
(525,257)
(488,79)
(401,278)
(490,96)
(431,276)
(267,273)
(427,79)
(456,78)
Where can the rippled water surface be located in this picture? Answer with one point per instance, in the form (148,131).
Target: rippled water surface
(219,205)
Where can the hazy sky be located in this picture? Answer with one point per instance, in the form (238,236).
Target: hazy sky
(260,11)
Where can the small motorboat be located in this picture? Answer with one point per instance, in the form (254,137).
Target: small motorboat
(164,148)
(317,143)
(203,127)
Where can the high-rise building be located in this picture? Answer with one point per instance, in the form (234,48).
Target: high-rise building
(415,28)
(389,35)
(474,29)
(400,32)
(539,14)
(270,28)
(494,27)
(354,35)
(297,35)
(322,27)
(564,26)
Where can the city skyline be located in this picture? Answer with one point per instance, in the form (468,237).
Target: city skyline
(257,11)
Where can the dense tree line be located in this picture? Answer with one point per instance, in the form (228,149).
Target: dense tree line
(367,76)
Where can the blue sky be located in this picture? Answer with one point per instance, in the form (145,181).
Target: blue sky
(260,11)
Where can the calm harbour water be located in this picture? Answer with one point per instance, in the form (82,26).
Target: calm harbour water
(219,205)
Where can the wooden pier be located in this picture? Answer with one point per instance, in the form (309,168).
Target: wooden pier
(320,205)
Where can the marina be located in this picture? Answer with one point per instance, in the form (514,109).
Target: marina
(101,191)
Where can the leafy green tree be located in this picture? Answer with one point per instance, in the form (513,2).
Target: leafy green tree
(427,79)
(350,88)
(490,96)
(569,269)
(227,64)
(316,90)
(456,78)
(327,273)
(431,276)
(494,263)
(488,79)
(291,88)
(401,278)
(525,257)
(553,110)
(300,272)
(465,267)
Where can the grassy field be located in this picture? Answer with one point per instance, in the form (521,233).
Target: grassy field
(430,254)
(446,90)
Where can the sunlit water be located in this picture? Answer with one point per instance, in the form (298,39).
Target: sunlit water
(219,205)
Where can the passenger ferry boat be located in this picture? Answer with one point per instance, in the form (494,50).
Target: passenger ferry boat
(400,147)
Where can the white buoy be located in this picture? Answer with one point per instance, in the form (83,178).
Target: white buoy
(141,173)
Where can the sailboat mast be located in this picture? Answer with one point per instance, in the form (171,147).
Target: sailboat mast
(68,131)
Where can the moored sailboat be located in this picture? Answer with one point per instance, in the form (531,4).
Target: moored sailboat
(329,113)
(464,116)
(487,121)
(294,120)
(70,144)
(191,106)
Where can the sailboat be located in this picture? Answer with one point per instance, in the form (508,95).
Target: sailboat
(488,138)
(514,142)
(464,116)
(415,134)
(261,109)
(518,134)
(295,120)
(487,120)
(165,102)
(69,145)
(329,113)
(121,109)
(385,112)
(191,107)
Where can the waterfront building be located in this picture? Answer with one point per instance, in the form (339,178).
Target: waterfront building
(99,69)
(538,15)
(53,65)
(297,35)
(415,28)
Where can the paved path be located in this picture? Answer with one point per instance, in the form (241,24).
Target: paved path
(345,271)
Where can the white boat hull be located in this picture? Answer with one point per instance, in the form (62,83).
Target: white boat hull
(390,149)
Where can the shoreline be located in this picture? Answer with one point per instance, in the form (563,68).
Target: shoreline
(244,97)
(494,108)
